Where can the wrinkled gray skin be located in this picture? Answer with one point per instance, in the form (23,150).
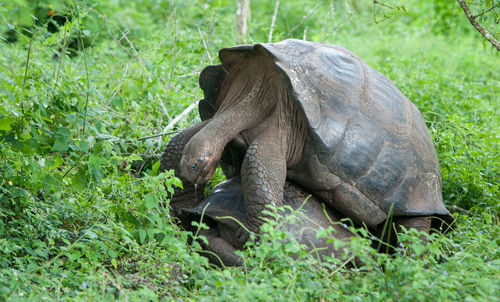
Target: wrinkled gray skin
(318,115)
(227,200)
(225,235)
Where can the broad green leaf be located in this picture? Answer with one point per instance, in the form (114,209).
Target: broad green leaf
(63,138)
(142,236)
(149,201)
(5,122)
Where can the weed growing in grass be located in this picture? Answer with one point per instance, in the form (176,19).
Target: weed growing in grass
(84,213)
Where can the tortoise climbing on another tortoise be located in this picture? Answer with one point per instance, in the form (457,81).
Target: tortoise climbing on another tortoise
(320,116)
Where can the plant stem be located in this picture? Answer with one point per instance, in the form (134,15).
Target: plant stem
(88,84)
(26,76)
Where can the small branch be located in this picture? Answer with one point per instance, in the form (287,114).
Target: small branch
(460,210)
(341,266)
(382,4)
(124,36)
(205,46)
(173,59)
(190,108)
(156,135)
(273,21)
(305,17)
(486,11)
(122,79)
(135,54)
(180,116)
(114,38)
(483,31)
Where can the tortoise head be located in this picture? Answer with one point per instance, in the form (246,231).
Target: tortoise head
(199,160)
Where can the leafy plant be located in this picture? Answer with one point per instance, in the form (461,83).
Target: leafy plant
(84,103)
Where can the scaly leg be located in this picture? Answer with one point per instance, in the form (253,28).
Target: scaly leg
(263,176)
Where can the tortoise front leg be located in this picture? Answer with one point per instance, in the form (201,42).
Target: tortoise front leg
(263,175)
(420,223)
(190,195)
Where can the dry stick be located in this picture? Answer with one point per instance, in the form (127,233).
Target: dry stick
(180,116)
(124,35)
(273,21)
(305,17)
(186,111)
(124,74)
(156,135)
(483,31)
(188,75)
(328,13)
(341,266)
(174,58)
(113,36)
(205,45)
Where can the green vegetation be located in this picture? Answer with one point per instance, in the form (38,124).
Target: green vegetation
(84,214)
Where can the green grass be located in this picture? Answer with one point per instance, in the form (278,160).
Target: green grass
(83,210)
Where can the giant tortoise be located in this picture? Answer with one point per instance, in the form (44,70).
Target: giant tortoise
(223,210)
(320,116)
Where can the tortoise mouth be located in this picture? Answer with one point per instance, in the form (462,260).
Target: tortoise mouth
(199,170)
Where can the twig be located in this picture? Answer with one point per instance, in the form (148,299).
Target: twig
(180,116)
(124,35)
(156,135)
(375,2)
(486,11)
(174,58)
(305,17)
(341,266)
(382,4)
(186,111)
(124,74)
(113,36)
(329,14)
(273,21)
(205,46)
(483,31)
(460,210)
(188,75)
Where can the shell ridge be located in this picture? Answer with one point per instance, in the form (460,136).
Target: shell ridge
(341,142)
(372,164)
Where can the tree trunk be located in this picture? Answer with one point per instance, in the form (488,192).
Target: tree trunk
(242,16)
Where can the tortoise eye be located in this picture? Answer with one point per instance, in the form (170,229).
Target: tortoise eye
(194,167)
